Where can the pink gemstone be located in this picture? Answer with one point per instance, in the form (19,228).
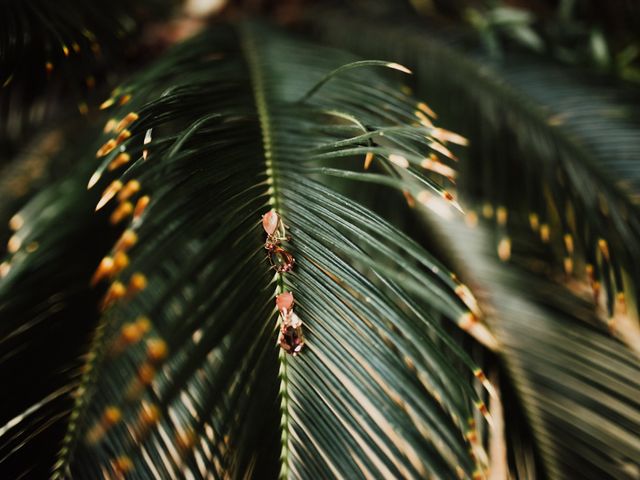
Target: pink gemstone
(270,222)
(284,301)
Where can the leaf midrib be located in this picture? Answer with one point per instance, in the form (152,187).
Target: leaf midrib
(256,76)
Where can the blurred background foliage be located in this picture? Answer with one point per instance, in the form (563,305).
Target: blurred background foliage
(547,93)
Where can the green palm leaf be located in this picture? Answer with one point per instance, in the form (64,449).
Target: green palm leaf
(550,145)
(578,386)
(48,310)
(554,151)
(183,376)
(54,50)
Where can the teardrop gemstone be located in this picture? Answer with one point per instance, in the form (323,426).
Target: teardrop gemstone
(284,302)
(270,222)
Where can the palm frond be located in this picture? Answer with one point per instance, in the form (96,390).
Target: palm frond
(550,144)
(48,311)
(184,376)
(578,386)
(59,49)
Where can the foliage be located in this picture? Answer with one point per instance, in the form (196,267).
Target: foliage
(372,300)
(50,50)
(552,167)
(147,330)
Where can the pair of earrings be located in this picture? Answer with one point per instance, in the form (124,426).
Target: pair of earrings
(280,259)
(290,338)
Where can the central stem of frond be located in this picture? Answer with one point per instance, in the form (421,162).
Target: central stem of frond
(256,71)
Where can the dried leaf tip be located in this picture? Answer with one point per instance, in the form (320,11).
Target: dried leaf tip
(488,386)
(115,292)
(604,248)
(131,188)
(109,193)
(141,206)
(149,414)
(545,233)
(367,160)
(14,244)
(534,221)
(110,125)
(567,263)
(401,68)
(5,268)
(93,180)
(426,109)
(120,262)
(444,136)
(411,202)
(104,270)
(432,163)
(107,148)
(146,374)
(122,136)
(128,239)
(466,321)
(122,212)
(502,216)
(111,415)
(487,210)
(424,120)
(144,324)
(137,283)
(146,141)
(107,103)
(472,436)
(399,160)
(471,219)
(122,465)
(157,349)
(568,243)
(121,159)
(126,121)
(504,249)
(130,333)
(185,439)
(438,147)
(83,108)
(16,222)
(482,408)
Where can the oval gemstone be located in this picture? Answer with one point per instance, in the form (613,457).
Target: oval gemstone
(290,339)
(284,301)
(281,260)
(270,222)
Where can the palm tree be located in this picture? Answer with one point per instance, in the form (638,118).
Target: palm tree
(267,257)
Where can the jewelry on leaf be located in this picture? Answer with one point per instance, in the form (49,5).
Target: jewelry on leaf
(290,338)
